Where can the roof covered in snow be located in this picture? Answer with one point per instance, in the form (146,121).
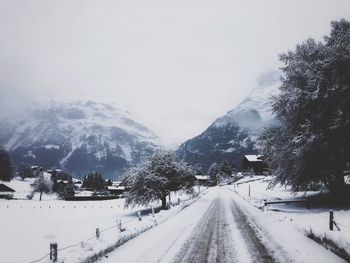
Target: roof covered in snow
(113,187)
(202,177)
(5,188)
(253,158)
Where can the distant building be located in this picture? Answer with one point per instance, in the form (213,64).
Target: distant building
(51,171)
(202,179)
(117,183)
(254,164)
(6,192)
(117,190)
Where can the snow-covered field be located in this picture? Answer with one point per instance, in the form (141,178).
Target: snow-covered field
(28,226)
(296,215)
(221,227)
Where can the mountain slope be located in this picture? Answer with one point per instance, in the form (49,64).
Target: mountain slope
(78,137)
(234,134)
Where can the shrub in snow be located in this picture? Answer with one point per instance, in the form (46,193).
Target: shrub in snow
(157,178)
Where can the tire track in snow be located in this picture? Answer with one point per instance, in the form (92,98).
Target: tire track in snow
(257,250)
(211,239)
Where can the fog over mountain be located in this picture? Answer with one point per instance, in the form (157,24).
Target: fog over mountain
(176,65)
(234,134)
(80,137)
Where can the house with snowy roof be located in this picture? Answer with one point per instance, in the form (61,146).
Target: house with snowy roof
(254,164)
(6,192)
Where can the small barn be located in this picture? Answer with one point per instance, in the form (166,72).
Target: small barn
(254,164)
(6,192)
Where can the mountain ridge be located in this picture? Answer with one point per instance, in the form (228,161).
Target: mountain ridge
(235,133)
(77,136)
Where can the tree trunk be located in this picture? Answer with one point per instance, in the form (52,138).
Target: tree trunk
(338,189)
(41,194)
(163,202)
(339,183)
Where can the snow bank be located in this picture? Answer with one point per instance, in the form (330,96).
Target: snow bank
(112,237)
(295,216)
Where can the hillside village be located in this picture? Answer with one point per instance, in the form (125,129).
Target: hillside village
(86,189)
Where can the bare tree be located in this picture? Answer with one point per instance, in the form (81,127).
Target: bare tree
(42,185)
(156,178)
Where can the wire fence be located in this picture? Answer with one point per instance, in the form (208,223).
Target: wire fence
(342,225)
(94,237)
(119,226)
(53,207)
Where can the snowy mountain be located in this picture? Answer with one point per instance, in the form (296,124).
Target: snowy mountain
(79,137)
(234,134)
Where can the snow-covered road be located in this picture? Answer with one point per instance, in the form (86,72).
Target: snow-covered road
(215,229)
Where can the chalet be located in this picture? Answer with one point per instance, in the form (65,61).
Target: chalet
(6,192)
(254,164)
(202,179)
(77,182)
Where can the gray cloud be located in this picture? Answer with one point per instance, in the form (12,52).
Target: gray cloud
(176,65)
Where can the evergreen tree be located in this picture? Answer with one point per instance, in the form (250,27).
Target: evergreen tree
(67,189)
(311,144)
(95,181)
(109,182)
(225,168)
(213,172)
(24,171)
(5,166)
(62,184)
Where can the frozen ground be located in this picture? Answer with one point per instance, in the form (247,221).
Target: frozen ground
(28,226)
(221,227)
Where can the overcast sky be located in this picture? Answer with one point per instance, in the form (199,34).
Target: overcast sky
(176,65)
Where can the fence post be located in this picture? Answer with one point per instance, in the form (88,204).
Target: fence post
(178,200)
(139,215)
(119,223)
(331,218)
(152,211)
(97,233)
(249,191)
(53,252)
